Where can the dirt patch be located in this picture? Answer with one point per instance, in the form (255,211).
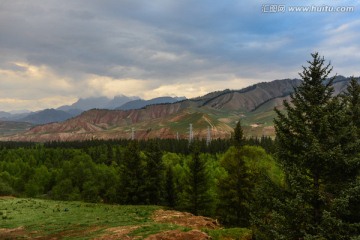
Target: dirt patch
(7,197)
(185,219)
(79,232)
(178,235)
(118,233)
(13,233)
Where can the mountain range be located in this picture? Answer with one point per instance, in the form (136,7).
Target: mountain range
(140,103)
(218,111)
(83,104)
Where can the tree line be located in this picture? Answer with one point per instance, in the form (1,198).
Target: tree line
(112,173)
(109,147)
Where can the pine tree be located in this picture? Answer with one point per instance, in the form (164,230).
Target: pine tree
(352,100)
(347,205)
(132,182)
(312,148)
(170,193)
(154,173)
(235,188)
(238,135)
(196,187)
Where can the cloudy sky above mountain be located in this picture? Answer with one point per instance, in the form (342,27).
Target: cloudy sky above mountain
(53,52)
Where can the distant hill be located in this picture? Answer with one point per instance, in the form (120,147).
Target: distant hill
(10,116)
(118,101)
(218,110)
(4,115)
(47,116)
(140,103)
(85,104)
(10,128)
(74,112)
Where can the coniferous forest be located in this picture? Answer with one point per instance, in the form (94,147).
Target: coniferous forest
(305,184)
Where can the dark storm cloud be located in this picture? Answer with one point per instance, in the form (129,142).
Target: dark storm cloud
(95,36)
(165,42)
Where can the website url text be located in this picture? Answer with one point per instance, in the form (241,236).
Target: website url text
(281,8)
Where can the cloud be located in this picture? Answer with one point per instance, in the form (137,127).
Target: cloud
(25,86)
(106,86)
(30,81)
(17,104)
(147,48)
(341,45)
(199,86)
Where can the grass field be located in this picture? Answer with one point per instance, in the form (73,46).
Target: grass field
(46,219)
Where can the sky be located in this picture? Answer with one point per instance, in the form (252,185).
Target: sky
(54,52)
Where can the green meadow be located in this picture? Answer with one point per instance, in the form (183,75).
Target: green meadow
(26,218)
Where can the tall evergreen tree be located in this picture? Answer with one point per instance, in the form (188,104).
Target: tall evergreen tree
(238,135)
(196,187)
(236,187)
(352,100)
(348,203)
(170,192)
(154,173)
(132,184)
(312,147)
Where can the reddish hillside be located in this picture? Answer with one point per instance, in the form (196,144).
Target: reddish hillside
(218,111)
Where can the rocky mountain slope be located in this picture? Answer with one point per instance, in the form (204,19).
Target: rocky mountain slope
(64,113)
(140,103)
(218,110)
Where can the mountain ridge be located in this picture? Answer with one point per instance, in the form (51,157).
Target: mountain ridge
(218,110)
(141,103)
(69,111)
(47,116)
(85,104)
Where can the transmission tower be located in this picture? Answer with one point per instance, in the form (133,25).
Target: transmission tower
(208,136)
(132,133)
(191,134)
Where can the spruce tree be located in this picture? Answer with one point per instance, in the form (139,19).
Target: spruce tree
(132,184)
(170,192)
(196,187)
(313,142)
(154,173)
(235,189)
(352,100)
(347,205)
(238,135)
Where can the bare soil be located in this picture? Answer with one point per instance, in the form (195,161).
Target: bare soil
(178,235)
(13,233)
(118,233)
(185,219)
(7,197)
